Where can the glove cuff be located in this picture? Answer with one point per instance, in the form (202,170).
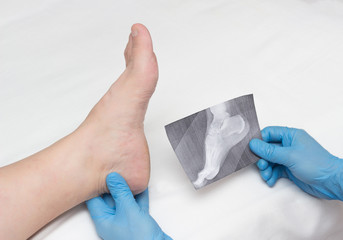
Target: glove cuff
(337,180)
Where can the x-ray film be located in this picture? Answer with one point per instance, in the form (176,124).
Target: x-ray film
(214,142)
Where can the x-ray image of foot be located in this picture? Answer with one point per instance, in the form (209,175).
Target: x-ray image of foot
(213,143)
(223,132)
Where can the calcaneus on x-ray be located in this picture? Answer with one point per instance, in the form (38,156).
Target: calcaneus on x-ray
(223,132)
(213,143)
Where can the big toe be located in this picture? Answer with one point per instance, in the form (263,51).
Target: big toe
(140,58)
(141,42)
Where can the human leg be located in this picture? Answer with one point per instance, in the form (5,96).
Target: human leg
(37,189)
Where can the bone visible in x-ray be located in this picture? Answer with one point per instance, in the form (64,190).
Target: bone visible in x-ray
(214,143)
(223,132)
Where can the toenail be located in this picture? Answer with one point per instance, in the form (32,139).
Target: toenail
(134,33)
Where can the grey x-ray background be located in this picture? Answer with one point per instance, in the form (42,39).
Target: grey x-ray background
(187,137)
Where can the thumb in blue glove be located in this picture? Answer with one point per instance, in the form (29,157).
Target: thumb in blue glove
(121,216)
(292,153)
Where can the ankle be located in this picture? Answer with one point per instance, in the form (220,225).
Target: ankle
(107,153)
(88,169)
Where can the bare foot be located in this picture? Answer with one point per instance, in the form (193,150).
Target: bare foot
(115,124)
(74,169)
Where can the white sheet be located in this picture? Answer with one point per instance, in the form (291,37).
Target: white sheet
(58,57)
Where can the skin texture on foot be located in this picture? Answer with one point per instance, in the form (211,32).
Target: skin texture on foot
(116,122)
(39,188)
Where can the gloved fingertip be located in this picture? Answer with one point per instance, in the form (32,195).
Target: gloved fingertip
(113,179)
(264,133)
(262,164)
(142,200)
(277,173)
(119,190)
(96,207)
(266,174)
(253,144)
(271,182)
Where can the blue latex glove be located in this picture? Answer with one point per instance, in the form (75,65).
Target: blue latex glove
(120,216)
(294,154)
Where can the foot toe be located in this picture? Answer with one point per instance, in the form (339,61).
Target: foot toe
(141,62)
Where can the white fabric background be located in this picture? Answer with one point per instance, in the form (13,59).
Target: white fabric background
(58,57)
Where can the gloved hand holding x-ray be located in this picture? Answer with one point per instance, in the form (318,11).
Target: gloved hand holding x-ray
(292,153)
(214,143)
